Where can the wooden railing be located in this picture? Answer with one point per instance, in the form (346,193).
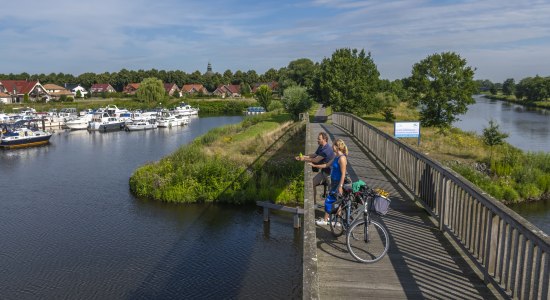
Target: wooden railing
(512,253)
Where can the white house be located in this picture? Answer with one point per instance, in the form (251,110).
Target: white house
(74,88)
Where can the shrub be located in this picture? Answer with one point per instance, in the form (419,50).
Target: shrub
(509,194)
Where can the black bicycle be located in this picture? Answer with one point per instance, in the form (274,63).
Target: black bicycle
(346,209)
(366,239)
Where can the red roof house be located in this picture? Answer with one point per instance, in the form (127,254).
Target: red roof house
(102,88)
(17,89)
(171,88)
(193,88)
(131,88)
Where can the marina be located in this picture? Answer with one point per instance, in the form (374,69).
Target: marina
(71,228)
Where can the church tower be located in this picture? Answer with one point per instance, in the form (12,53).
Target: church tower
(209,70)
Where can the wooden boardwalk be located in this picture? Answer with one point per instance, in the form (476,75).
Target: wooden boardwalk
(422,263)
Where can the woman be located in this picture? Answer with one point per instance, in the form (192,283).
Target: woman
(337,172)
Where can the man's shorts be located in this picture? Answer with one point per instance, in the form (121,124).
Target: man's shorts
(320,177)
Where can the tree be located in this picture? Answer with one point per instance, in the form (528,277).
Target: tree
(78,94)
(301,71)
(26,98)
(493,90)
(492,136)
(442,86)
(348,82)
(263,95)
(509,87)
(151,90)
(296,100)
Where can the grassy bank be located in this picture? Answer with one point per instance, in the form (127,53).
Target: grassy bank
(505,172)
(513,99)
(237,164)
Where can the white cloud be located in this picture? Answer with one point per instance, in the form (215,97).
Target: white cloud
(498,37)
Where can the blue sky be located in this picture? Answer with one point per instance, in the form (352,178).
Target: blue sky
(502,39)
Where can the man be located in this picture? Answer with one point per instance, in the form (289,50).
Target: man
(323,155)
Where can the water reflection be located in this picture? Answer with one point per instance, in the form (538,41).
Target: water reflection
(71,229)
(528,127)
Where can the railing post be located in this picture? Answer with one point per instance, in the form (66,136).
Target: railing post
(444,200)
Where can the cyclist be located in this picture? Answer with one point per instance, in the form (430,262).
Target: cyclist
(338,170)
(322,155)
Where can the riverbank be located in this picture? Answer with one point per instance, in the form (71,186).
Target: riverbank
(505,172)
(512,99)
(235,164)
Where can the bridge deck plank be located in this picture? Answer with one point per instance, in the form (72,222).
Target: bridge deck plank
(421,262)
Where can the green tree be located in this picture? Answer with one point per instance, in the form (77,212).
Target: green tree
(151,90)
(492,136)
(493,90)
(348,81)
(442,87)
(509,87)
(26,98)
(296,100)
(263,95)
(301,71)
(78,94)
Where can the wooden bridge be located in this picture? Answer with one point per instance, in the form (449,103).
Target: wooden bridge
(448,240)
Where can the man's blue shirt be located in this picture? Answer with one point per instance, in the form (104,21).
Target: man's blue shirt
(327,154)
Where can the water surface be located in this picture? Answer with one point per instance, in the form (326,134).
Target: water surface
(70,228)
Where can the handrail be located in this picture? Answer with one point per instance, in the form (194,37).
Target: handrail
(512,253)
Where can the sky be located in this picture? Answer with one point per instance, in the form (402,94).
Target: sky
(500,38)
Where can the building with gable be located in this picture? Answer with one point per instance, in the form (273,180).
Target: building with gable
(17,89)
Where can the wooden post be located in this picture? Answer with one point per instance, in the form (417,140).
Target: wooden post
(266,214)
(297,221)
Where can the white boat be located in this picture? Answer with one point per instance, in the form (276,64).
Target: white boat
(80,122)
(182,119)
(167,119)
(104,122)
(186,110)
(142,125)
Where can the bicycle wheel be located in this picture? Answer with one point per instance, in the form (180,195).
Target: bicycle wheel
(367,244)
(337,224)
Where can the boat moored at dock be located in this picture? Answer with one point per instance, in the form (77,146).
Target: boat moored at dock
(19,136)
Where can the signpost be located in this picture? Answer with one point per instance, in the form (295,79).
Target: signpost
(407,130)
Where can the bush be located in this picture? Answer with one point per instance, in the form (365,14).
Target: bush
(296,100)
(509,194)
(529,191)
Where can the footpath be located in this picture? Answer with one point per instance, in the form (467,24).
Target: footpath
(421,263)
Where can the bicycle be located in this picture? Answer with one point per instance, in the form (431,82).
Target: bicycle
(348,208)
(367,240)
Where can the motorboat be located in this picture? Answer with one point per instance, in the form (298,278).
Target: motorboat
(104,122)
(80,122)
(182,119)
(19,136)
(167,119)
(142,124)
(255,110)
(186,109)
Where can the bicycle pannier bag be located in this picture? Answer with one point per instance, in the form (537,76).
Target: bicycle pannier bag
(381,205)
(332,203)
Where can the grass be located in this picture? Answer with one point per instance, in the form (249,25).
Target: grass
(505,172)
(237,164)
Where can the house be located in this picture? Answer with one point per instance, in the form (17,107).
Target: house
(171,88)
(102,88)
(131,88)
(193,88)
(5,98)
(228,90)
(57,91)
(17,89)
(74,88)
(273,85)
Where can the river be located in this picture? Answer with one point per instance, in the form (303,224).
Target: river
(528,129)
(70,229)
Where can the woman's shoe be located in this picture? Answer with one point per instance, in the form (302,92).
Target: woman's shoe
(321,222)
